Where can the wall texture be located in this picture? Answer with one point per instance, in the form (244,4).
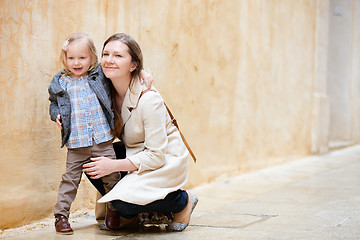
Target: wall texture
(240,77)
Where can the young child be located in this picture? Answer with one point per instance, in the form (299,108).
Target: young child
(80,104)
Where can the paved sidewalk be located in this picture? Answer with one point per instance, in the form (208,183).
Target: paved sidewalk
(317,197)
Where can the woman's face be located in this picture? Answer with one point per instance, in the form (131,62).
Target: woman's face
(116,61)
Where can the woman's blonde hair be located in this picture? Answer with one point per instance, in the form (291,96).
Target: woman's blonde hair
(89,43)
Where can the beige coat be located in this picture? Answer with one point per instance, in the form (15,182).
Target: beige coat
(154,146)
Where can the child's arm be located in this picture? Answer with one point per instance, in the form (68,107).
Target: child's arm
(147,78)
(54,109)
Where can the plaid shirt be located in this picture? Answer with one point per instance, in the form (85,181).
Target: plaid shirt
(88,120)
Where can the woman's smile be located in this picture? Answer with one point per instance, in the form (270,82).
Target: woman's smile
(110,67)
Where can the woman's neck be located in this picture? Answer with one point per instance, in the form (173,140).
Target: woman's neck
(121,87)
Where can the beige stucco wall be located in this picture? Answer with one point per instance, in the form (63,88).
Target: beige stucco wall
(238,75)
(343,71)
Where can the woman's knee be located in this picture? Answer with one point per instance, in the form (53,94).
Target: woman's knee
(125,209)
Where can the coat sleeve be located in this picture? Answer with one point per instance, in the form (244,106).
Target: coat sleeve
(153,113)
(53,107)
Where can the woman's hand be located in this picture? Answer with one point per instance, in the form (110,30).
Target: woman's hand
(58,121)
(147,78)
(101,166)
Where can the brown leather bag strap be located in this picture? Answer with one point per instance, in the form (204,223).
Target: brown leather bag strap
(145,91)
(173,120)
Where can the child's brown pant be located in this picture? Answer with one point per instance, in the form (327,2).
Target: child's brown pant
(76,158)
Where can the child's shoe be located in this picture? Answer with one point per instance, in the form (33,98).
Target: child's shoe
(62,225)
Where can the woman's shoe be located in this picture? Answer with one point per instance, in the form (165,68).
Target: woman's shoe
(114,222)
(128,223)
(112,218)
(178,226)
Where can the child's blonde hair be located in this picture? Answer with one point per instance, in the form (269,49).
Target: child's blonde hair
(89,43)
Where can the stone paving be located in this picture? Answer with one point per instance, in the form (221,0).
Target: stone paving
(316,197)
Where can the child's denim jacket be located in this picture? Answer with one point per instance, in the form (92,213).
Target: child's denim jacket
(60,101)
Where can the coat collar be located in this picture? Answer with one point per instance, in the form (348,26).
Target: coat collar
(131,100)
(94,73)
(56,87)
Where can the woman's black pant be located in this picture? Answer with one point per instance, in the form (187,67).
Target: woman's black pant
(174,202)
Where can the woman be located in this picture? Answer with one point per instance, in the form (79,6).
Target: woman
(156,156)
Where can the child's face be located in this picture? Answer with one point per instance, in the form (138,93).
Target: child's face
(78,59)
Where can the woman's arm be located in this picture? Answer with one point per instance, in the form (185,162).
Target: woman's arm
(102,166)
(153,114)
(153,117)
